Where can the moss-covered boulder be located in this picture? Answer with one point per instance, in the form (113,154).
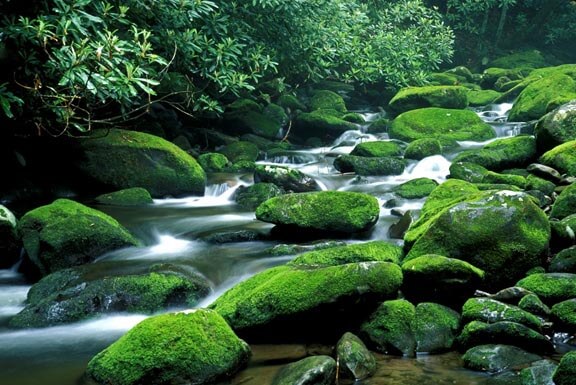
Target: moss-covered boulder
(377,148)
(525,58)
(355,361)
(446,125)
(440,279)
(478,98)
(492,76)
(196,347)
(9,238)
(492,177)
(533,304)
(325,124)
(327,100)
(422,148)
(331,211)
(416,188)
(71,295)
(351,253)
(66,233)
(542,96)
(362,165)
(538,373)
(490,310)
(551,287)
(518,151)
(565,373)
(503,233)
(564,261)
(317,370)
(565,203)
(495,358)
(556,127)
(120,159)
(504,332)
(288,179)
(241,150)
(467,171)
(252,196)
(435,327)
(564,315)
(291,303)
(561,158)
(135,196)
(213,162)
(411,98)
(389,329)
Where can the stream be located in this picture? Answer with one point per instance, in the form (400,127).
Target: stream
(176,231)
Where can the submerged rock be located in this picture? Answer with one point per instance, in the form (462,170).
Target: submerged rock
(317,370)
(494,358)
(354,359)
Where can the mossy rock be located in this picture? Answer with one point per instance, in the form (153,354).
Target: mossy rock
(504,332)
(416,188)
(287,178)
(446,125)
(478,98)
(355,360)
(354,117)
(565,203)
(540,372)
(332,211)
(351,253)
(290,102)
(467,171)
(530,58)
(243,105)
(136,196)
(291,302)
(491,75)
(517,229)
(563,232)
(66,233)
(379,125)
(422,148)
(564,315)
(534,182)
(490,310)
(533,304)
(436,278)
(551,288)
(213,162)
(411,98)
(505,153)
(252,196)
(533,102)
(495,358)
(321,124)
(565,374)
(492,177)
(377,148)
(68,297)
(196,347)
(556,127)
(435,327)
(366,166)
(561,158)
(444,79)
(140,160)
(240,151)
(564,261)
(389,329)
(317,370)
(326,99)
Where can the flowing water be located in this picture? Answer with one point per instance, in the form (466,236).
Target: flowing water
(178,231)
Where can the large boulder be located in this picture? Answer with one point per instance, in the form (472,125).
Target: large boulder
(565,373)
(562,158)
(550,287)
(140,160)
(66,233)
(290,302)
(355,360)
(197,347)
(411,98)
(350,253)
(72,295)
(446,125)
(288,179)
(364,165)
(556,127)
(330,211)
(503,233)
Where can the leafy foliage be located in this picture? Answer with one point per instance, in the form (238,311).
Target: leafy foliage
(83,63)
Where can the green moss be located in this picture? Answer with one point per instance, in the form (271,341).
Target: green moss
(497,178)
(467,171)
(446,125)
(356,252)
(240,150)
(326,99)
(363,165)
(389,328)
(291,102)
(490,310)
(378,148)
(444,79)
(550,287)
(354,117)
(416,188)
(439,268)
(199,347)
(565,315)
(213,162)
(285,290)
(435,327)
(243,105)
(422,148)
(128,197)
(340,211)
(482,97)
(379,125)
(252,196)
(565,203)
(411,98)
(565,374)
(533,304)
(521,59)
(534,182)
(494,358)
(320,123)
(561,158)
